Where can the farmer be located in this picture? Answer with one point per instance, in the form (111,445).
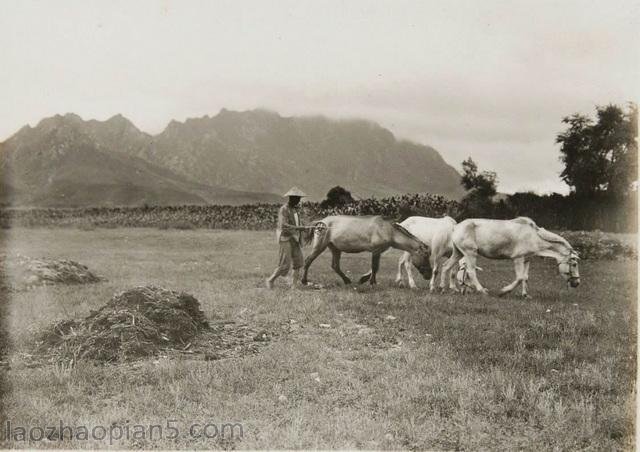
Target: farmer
(288,236)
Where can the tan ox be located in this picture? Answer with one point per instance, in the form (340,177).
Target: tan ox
(518,239)
(435,232)
(356,234)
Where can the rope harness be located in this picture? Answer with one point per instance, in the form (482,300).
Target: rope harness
(565,266)
(462,280)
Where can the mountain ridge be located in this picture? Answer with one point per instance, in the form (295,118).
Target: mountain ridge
(251,154)
(63,162)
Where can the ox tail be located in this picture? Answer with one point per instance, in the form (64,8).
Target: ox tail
(553,238)
(462,264)
(366,277)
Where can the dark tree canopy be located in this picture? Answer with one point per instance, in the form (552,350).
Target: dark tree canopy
(481,187)
(483,184)
(601,156)
(336,197)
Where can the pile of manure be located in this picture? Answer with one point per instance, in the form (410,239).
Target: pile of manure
(25,272)
(136,323)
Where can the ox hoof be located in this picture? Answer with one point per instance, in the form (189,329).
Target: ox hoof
(484,292)
(525,296)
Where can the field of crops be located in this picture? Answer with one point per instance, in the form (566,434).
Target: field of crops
(340,367)
(251,217)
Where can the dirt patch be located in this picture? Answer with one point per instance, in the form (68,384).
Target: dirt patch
(26,272)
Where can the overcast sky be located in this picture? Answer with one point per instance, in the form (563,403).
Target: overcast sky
(486,79)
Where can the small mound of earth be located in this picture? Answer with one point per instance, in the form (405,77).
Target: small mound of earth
(27,272)
(135,323)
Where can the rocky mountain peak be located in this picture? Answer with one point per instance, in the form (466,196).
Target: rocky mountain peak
(254,151)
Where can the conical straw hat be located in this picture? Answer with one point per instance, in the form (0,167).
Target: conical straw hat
(294,191)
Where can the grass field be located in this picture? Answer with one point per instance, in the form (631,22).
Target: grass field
(395,369)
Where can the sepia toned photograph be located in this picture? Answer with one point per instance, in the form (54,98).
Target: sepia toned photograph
(319,225)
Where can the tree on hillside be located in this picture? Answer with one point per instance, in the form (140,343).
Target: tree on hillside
(601,157)
(336,197)
(481,187)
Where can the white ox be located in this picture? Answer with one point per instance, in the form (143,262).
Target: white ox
(518,239)
(436,233)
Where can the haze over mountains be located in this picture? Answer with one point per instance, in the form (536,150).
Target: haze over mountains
(231,158)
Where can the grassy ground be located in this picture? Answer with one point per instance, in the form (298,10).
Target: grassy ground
(395,369)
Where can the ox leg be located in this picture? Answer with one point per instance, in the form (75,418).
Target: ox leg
(401,262)
(448,268)
(519,268)
(436,269)
(525,280)
(470,259)
(335,264)
(443,275)
(317,251)
(452,281)
(407,267)
(375,265)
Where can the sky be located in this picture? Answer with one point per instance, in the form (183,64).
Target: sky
(486,79)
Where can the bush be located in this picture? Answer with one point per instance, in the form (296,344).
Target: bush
(597,245)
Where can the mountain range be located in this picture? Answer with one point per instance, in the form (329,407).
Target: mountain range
(230,158)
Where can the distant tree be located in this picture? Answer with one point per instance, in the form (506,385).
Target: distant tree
(336,197)
(601,157)
(481,188)
(483,183)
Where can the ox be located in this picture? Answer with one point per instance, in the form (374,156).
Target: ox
(355,234)
(436,233)
(518,239)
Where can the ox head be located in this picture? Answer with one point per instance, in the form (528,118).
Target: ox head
(462,277)
(420,256)
(568,268)
(421,260)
